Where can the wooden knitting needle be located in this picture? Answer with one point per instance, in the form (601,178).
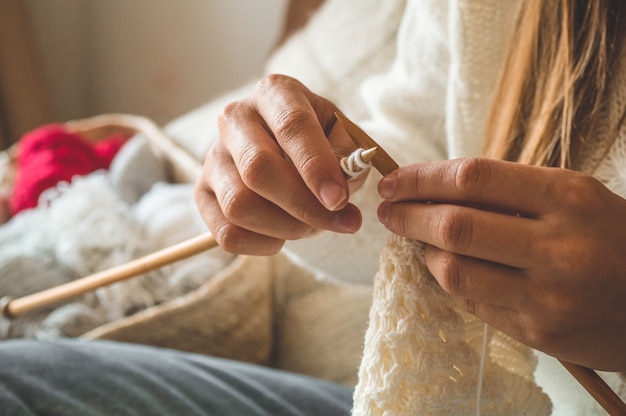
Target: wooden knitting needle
(588,378)
(591,381)
(12,308)
(381,160)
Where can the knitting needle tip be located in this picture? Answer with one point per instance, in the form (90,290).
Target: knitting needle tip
(358,162)
(368,155)
(5,312)
(382,162)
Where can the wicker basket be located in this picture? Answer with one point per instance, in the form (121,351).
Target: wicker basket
(180,165)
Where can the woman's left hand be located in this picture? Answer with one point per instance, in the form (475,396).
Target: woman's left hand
(538,253)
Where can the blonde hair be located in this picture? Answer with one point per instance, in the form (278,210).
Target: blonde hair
(554,80)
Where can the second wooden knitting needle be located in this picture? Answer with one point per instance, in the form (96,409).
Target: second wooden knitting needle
(11,308)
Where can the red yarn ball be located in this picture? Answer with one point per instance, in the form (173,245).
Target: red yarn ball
(50,154)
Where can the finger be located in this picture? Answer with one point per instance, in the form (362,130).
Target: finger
(478,280)
(230,237)
(244,208)
(504,319)
(484,235)
(263,169)
(506,186)
(297,119)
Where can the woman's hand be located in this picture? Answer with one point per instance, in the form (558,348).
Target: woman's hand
(538,253)
(274,173)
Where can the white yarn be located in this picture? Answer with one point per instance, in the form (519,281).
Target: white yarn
(481,371)
(92,225)
(417,360)
(354,166)
(85,227)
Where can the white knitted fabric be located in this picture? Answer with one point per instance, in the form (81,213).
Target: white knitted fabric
(417,359)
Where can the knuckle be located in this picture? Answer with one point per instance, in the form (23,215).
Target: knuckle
(270,82)
(235,205)
(470,173)
(580,193)
(539,337)
(290,124)
(226,236)
(454,229)
(548,331)
(306,160)
(561,257)
(256,168)
(229,113)
(274,83)
(214,157)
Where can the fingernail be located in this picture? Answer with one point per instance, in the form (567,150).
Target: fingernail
(332,194)
(387,187)
(383,212)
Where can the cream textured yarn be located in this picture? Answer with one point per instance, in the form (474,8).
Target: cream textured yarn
(420,355)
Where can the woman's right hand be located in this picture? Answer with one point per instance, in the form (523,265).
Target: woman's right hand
(273,174)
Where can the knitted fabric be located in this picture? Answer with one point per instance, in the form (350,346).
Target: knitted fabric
(417,359)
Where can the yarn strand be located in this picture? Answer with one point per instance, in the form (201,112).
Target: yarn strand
(358,162)
(481,368)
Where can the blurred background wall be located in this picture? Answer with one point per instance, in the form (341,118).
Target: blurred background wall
(158,58)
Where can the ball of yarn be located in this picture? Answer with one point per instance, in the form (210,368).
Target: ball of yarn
(49,155)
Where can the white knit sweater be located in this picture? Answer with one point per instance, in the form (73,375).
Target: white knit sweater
(423,92)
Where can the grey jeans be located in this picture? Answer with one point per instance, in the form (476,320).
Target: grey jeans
(72,377)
